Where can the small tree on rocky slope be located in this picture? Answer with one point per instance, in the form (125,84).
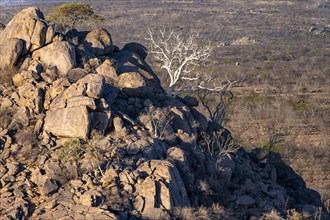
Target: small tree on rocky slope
(68,15)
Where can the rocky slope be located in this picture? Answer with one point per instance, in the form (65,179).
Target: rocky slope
(87,132)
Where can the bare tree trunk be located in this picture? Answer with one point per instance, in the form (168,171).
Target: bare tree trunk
(170,90)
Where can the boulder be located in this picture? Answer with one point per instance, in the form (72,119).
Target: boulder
(163,189)
(109,176)
(100,120)
(200,119)
(180,121)
(91,198)
(133,84)
(145,80)
(99,42)
(13,168)
(38,38)
(48,187)
(76,74)
(60,54)
(71,122)
(190,101)
(137,48)
(29,26)
(245,201)
(107,70)
(31,97)
(20,118)
(94,85)
(10,52)
(81,101)
(178,156)
(118,124)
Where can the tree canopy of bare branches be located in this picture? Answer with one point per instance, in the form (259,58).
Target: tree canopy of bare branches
(216,103)
(179,56)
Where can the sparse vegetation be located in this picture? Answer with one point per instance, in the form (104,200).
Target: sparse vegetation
(300,105)
(72,150)
(294,215)
(216,144)
(216,211)
(160,120)
(6,77)
(75,149)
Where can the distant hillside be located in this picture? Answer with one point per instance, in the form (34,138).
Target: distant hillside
(28,2)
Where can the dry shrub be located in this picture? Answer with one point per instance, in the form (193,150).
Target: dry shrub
(184,213)
(72,150)
(203,213)
(205,188)
(272,215)
(116,199)
(214,212)
(293,215)
(6,77)
(6,115)
(160,119)
(26,136)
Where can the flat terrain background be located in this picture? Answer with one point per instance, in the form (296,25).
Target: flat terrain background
(282,48)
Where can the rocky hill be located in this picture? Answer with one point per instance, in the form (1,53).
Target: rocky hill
(87,132)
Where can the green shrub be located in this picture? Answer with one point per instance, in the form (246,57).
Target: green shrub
(300,105)
(69,15)
(75,150)
(271,147)
(72,150)
(258,98)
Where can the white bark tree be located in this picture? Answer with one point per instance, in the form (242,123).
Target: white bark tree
(179,56)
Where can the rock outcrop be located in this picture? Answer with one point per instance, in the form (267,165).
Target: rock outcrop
(29,26)
(98,138)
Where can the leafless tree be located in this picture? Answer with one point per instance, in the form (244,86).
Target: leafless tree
(180,55)
(216,102)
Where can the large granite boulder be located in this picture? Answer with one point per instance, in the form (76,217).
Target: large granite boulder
(68,122)
(60,54)
(29,26)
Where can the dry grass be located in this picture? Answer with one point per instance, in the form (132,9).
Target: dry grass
(202,213)
(272,215)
